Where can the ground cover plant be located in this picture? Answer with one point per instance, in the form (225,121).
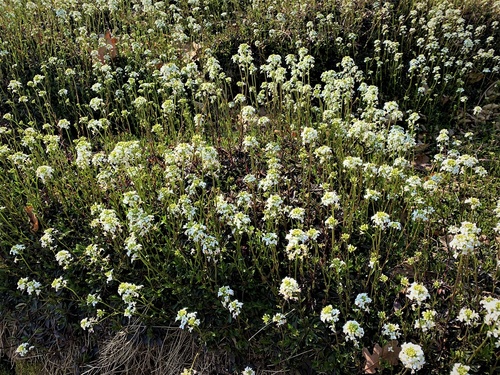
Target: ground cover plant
(240,187)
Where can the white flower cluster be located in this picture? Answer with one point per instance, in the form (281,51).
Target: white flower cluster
(460,369)
(30,286)
(468,316)
(417,292)
(353,331)
(23,349)
(64,258)
(412,356)
(309,136)
(362,301)
(427,321)
(87,324)
(44,173)
(139,222)
(125,154)
(289,289)
(107,220)
(83,153)
(187,318)
(234,306)
(248,371)
(391,331)
(465,238)
(47,240)
(209,244)
(382,220)
(59,283)
(129,292)
(492,317)
(330,316)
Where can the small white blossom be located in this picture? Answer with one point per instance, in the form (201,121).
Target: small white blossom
(353,331)
(362,301)
(391,331)
(289,288)
(460,369)
(44,173)
(468,316)
(23,349)
(417,292)
(412,357)
(330,315)
(188,318)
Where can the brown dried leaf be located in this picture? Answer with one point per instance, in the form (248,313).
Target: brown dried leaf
(32,217)
(192,50)
(110,49)
(422,161)
(475,77)
(445,240)
(389,354)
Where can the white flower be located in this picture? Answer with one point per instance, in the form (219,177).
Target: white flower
(88,324)
(235,308)
(412,356)
(474,203)
(63,124)
(297,213)
(23,349)
(492,307)
(250,142)
(330,315)
(187,318)
(225,292)
(44,172)
(83,152)
(362,301)
(93,299)
(465,238)
(417,292)
(31,287)
(468,316)
(279,319)
(289,288)
(443,137)
(17,249)
(58,283)
(353,331)
(96,103)
(330,198)
(269,238)
(381,220)
(323,153)
(459,369)
(427,321)
(248,371)
(309,135)
(107,220)
(391,330)
(64,258)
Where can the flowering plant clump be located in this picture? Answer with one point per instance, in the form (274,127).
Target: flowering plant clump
(256,179)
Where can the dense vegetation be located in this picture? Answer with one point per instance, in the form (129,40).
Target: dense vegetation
(239,187)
